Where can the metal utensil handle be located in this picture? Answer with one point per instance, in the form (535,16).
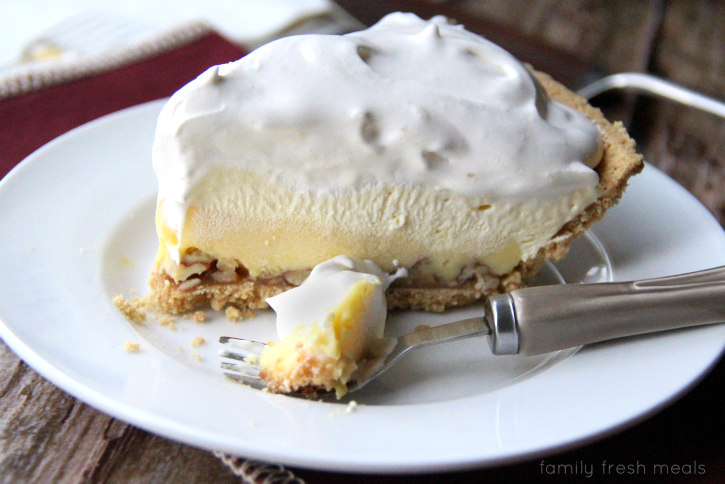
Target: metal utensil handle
(654,85)
(551,318)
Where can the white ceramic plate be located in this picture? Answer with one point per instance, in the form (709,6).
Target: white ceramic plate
(77,226)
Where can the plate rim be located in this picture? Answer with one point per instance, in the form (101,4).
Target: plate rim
(187,433)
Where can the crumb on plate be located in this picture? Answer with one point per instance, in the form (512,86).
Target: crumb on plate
(351,407)
(235,315)
(133,311)
(165,320)
(131,347)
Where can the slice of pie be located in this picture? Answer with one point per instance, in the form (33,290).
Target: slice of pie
(412,144)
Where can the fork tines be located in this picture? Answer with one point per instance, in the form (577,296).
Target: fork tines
(247,371)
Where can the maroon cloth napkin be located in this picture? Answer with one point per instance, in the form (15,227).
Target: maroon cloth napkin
(28,121)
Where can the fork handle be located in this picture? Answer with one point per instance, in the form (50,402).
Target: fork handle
(550,318)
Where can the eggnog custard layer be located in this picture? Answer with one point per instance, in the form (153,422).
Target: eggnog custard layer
(411,144)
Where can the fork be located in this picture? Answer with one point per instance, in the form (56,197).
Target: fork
(649,84)
(540,320)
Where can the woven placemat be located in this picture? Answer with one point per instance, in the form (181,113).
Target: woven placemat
(255,472)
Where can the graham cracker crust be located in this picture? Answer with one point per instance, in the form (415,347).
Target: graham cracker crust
(245,294)
(619,162)
(307,373)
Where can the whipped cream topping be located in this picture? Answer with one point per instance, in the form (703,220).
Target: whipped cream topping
(327,286)
(407,102)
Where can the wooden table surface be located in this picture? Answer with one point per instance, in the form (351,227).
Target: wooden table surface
(49,436)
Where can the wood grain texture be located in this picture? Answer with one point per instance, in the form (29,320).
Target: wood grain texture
(687,144)
(47,436)
(615,34)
